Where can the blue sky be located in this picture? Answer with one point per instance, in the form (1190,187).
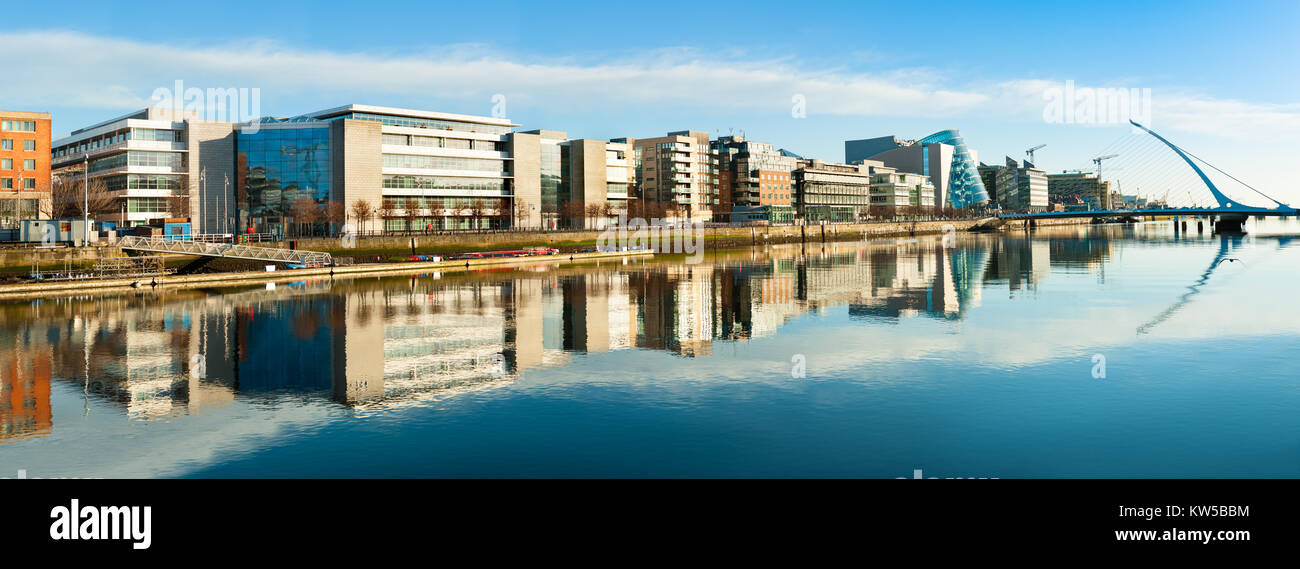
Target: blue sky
(1223,80)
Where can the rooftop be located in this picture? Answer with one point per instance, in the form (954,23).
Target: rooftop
(412,113)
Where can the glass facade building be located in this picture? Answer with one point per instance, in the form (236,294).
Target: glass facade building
(965,188)
(278,165)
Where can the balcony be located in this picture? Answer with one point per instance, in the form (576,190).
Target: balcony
(149,145)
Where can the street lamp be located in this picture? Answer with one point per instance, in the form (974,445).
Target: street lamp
(225,200)
(85,203)
(18,198)
(203,185)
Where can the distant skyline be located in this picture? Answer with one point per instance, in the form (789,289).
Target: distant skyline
(1222,80)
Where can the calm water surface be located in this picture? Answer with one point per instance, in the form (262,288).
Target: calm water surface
(978,360)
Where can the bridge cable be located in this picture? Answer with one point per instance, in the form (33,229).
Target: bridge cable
(1234,178)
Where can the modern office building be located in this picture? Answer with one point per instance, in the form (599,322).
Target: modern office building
(1022,187)
(24,167)
(942,156)
(156,163)
(989,176)
(578,183)
(415,170)
(755,176)
(1068,186)
(899,193)
(826,191)
(678,172)
(314,173)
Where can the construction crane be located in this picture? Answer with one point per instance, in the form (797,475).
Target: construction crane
(1098,160)
(1030,152)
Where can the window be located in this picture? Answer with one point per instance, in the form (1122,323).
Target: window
(6,183)
(29,145)
(444,163)
(7,144)
(151,134)
(140,205)
(18,126)
(142,182)
(6,163)
(29,183)
(29,164)
(135,158)
(398,181)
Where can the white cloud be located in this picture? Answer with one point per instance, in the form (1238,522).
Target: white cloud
(70,69)
(73,69)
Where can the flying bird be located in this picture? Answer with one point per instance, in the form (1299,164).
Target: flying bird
(1230,260)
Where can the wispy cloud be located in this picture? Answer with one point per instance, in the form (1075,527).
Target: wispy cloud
(71,69)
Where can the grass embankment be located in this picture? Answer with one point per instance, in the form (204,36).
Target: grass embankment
(446,250)
(371,254)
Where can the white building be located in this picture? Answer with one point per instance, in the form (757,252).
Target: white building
(157,163)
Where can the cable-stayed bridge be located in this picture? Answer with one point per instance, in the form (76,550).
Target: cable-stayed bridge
(1150,167)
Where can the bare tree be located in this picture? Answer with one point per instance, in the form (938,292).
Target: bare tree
(362,212)
(518,212)
(180,203)
(67,194)
(672,210)
(647,209)
(502,214)
(636,208)
(437,211)
(550,213)
(476,213)
(303,211)
(384,213)
(410,208)
(593,212)
(336,213)
(572,213)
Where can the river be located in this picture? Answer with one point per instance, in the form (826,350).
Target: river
(1072,351)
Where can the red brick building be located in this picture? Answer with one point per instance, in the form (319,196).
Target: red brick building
(24,167)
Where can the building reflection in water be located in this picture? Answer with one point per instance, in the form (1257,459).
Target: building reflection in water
(26,366)
(370,343)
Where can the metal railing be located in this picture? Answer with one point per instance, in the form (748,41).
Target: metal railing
(228,250)
(257,237)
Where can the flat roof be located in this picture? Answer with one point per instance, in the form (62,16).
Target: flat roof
(143,113)
(24,115)
(413,113)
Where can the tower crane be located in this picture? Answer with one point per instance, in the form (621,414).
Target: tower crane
(1098,160)
(1030,152)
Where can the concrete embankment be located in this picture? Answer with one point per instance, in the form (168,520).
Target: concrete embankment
(375,248)
(66,288)
(367,256)
(1020,224)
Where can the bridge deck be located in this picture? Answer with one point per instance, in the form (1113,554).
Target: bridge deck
(1181,211)
(226,250)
